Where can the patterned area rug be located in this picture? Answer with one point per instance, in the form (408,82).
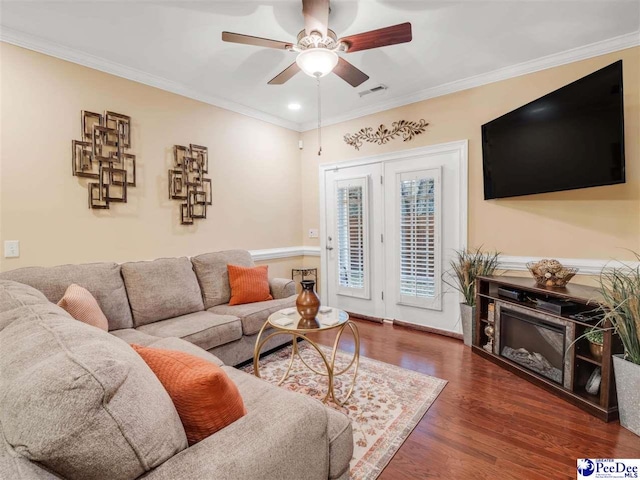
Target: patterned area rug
(386,404)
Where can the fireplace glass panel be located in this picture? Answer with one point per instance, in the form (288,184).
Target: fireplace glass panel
(533,344)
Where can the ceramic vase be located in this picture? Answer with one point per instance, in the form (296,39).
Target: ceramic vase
(308,303)
(628,387)
(468,314)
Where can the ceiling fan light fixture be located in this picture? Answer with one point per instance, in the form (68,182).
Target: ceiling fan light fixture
(317,62)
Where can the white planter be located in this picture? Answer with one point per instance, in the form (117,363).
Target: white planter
(468,315)
(628,387)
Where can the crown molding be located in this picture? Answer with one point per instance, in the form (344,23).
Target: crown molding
(40,45)
(557,59)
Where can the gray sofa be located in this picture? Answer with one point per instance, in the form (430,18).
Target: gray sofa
(77,402)
(170,297)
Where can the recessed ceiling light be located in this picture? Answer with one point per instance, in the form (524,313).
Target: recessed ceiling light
(294,106)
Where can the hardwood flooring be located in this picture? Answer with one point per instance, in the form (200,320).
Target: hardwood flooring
(487,423)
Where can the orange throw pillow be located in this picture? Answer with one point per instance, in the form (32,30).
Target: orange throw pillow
(206,399)
(81,305)
(249,284)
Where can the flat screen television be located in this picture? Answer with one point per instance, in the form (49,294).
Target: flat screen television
(571,138)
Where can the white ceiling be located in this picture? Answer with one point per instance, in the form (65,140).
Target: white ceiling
(177,44)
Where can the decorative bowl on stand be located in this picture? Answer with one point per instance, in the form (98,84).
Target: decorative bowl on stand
(551,273)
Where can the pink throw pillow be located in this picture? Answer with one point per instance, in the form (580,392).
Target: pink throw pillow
(81,305)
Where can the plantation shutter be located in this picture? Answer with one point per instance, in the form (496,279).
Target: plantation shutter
(352,237)
(419,233)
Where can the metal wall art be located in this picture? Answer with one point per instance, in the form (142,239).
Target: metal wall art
(407,129)
(187,182)
(101,155)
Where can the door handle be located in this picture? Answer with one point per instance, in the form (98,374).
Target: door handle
(329,248)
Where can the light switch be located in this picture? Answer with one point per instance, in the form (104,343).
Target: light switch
(11,248)
(313,233)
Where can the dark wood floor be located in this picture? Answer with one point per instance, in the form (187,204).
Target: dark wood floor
(487,423)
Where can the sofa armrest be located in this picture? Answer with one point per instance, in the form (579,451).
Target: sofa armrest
(282,287)
(283,436)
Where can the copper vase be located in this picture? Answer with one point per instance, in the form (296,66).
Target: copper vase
(596,351)
(308,305)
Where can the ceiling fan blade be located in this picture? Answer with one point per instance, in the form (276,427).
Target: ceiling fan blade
(257,41)
(349,73)
(379,38)
(285,75)
(316,16)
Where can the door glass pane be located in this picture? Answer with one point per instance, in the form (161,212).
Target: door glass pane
(417,238)
(350,241)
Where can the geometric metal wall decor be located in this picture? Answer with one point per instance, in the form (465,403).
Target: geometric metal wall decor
(101,155)
(188,184)
(407,129)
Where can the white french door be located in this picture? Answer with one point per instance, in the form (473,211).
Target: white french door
(353,257)
(391,224)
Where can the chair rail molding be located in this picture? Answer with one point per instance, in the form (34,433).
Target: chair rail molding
(585,266)
(284,252)
(588,266)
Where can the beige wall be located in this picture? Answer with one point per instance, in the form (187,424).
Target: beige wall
(254,167)
(594,223)
(259,175)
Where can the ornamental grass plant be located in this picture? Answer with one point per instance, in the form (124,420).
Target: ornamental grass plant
(620,288)
(466,267)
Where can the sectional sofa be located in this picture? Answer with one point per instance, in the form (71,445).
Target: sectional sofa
(170,297)
(77,402)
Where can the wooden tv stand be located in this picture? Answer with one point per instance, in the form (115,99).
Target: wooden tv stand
(577,362)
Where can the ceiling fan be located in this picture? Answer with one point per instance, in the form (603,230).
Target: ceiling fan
(317,46)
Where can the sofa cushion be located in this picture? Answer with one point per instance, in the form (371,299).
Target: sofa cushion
(211,269)
(162,288)
(132,335)
(14,297)
(103,280)
(179,345)
(249,284)
(205,397)
(203,329)
(81,305)
(253,315)
(78,400)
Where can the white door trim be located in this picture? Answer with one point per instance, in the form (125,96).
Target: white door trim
(461,147)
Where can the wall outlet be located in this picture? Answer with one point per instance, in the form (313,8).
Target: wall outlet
(11,248)
(313,233)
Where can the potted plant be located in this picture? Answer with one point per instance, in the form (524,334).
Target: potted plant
(595,336)
(620,288)
(466,266)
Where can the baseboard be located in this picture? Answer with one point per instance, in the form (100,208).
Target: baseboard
(424,328)
(366,317)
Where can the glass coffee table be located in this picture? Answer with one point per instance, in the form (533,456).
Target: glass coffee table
(289,322)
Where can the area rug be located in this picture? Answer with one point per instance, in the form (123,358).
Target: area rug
(385,406)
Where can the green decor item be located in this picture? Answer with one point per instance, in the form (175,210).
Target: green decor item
(465,268)
(620,288)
